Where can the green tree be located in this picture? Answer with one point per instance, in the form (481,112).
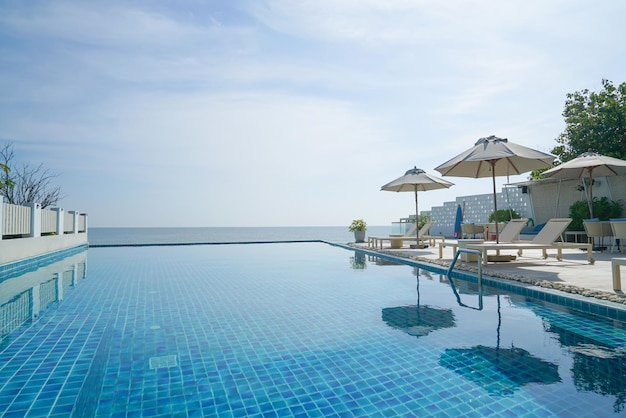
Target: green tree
(594,121)
(5,181)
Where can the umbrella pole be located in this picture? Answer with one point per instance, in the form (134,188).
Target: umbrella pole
(591,193)
(495,201)
(499,325)
(418,296)
(417,219)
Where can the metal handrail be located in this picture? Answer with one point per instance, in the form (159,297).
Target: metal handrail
(470,251)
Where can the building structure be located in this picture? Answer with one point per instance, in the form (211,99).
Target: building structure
(537,200)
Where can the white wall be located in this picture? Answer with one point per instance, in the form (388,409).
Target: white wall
(23,248)
(477,209)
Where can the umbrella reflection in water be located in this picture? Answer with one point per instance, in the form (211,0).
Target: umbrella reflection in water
(500,371)
(418,320)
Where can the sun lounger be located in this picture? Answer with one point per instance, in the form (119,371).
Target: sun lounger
(546,239)
(472,229)
(597,228)
(618,226)
(512,230)
(397,241)
(510,233)
(432,239)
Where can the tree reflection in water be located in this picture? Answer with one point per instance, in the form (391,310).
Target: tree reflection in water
(597,368)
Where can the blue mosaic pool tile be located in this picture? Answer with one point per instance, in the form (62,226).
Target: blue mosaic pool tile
(254,359)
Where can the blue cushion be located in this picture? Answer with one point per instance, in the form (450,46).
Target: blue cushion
(534,231)
(592,220)
(617,219)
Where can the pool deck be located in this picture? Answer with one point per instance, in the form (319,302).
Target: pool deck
(572,274)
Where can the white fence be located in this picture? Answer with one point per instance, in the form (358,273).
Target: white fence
(48,221)
(15,219)
(18,221)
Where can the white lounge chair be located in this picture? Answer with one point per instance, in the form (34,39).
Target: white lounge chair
(597,228)
(618,226)
(510,233)
(546,239)
(424,235)
(397,241)
(511,230)
(472,229)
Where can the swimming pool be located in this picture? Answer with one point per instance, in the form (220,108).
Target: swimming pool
(292,330)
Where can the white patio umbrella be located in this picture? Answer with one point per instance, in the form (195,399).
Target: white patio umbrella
(416,180)
(588,164)
(493,156)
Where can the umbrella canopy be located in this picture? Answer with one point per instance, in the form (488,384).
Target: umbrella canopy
(416,180)
(493,156)
(588,165)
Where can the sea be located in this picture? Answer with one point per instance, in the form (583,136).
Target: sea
(217,235)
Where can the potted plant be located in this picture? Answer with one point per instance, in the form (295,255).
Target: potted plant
(359,227)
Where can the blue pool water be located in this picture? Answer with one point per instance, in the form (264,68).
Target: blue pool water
(131,236)
(303,329)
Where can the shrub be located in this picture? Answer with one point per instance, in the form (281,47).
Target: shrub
(504,215)
(423,219)
(603,209)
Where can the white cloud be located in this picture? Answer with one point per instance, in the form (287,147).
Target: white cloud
(97,24)
(285,112)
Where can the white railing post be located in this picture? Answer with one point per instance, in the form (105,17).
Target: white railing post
(60,221)
(1,217)
(75,218)
(35,219)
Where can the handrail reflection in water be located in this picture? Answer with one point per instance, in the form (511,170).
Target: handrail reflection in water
(479,280)
(458,297)
(469,251)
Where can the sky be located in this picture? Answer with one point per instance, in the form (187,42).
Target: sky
(285,112)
